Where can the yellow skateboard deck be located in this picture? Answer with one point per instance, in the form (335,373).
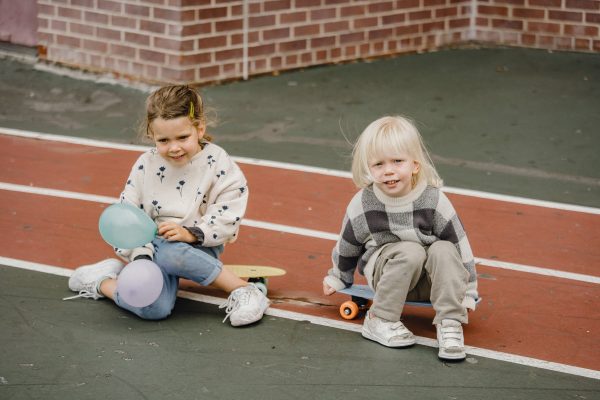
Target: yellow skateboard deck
(255,271)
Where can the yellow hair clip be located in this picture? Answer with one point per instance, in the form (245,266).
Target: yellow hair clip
(191,110)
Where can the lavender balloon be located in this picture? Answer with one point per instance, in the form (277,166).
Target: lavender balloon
(140,283)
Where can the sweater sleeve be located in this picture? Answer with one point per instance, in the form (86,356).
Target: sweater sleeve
(348,249)
(227,203)
(131,195)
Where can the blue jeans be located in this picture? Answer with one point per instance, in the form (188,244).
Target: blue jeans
(177,260)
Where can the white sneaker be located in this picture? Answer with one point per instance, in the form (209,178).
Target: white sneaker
(86,280)
(450,340)
(245,305)
(387,333)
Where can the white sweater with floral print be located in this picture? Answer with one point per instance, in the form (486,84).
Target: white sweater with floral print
(210,193)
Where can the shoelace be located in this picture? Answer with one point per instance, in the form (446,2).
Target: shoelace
(89,292)
(451,337)
(235,300)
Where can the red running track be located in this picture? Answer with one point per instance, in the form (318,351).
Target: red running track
(548,318)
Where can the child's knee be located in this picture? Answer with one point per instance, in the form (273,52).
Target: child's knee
(156,311)
(442,248)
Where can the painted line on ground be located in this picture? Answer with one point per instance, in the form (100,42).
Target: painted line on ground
(301,168)
(295,316)
(302,231)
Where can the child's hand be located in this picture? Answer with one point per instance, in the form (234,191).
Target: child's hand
(175,233)
(328,290)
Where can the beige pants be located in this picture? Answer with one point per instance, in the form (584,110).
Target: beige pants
(408,271)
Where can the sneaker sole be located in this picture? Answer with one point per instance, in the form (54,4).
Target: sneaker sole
(442,355)
(405,343)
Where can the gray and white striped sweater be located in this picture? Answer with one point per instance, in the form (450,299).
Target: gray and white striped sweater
(374,219)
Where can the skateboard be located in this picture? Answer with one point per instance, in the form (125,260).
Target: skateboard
(361,294)
(256,274)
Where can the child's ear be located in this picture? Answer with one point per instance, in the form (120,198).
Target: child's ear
(201,129)
(417,167)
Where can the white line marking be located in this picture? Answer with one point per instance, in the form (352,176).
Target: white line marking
(302,168)
(300,231)
(295,316)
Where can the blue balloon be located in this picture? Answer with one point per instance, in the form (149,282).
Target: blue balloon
(126,226)
(140,283)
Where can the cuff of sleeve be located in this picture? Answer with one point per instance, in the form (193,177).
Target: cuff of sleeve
(469,303)
(141,251)
(197,232)
(334,282)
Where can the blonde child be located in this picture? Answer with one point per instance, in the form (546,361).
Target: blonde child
(197,196)
(404,236)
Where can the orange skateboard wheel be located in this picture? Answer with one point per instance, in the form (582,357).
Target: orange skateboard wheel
(349,310)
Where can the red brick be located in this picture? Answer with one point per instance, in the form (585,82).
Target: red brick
(211,42)
(111,34)
(407,30)
(433,3)
(459,23)
(95,45)
(108,5)
(307,30)
(528,13)
(352,37)
(277,5)
(507,24)
(209,72)
(365,22)
(487,10)
(328,41)
(393,19)
(278,33)
(151,26)
(232,25)
(83,3)
(319,14)
(132,37)
(513,2)
(120,50)
(276,62)
(336,26)
(290,18)
(351,11)
(263,20)
(140,11)
(446,12)
(380,7)
(262,50)
(69,13)
(293,45)
(593,18)
(123,22)
(380,34)
(580,30)
(68,41)
(152,56)
(57,25)
(197,29)
(211,13)
(81,29)
(433,26)
(416,15)
(95,18)
(545,3)
(307,3)
(228,54)
(407,4)
(582,44)
(565,16)
(195,59)
(584,4)
(543,27)
(528,39)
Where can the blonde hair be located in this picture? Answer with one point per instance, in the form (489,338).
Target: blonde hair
(389,135)
(174,101)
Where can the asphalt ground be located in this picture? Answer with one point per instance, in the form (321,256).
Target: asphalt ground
(508,121)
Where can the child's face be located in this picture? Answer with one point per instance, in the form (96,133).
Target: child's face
(393,173)
(177,140)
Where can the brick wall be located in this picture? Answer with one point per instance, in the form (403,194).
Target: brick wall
(212,40)
(546,24)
